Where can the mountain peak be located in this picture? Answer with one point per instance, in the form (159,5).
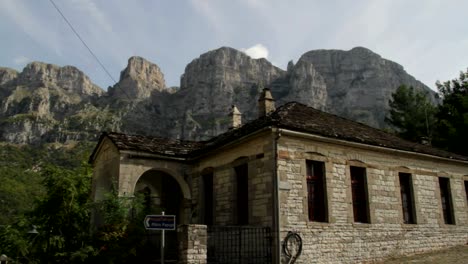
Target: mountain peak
(68,78)
(138,80)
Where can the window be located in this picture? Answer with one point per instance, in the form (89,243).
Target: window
(407,198)
(242,173)
(466,190)
(316,191)
(359,193)
(446,200)
(208,197)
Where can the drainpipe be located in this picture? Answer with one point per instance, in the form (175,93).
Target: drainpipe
(276,197)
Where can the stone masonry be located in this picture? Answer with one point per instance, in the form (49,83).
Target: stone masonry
(340,240)
(192,246)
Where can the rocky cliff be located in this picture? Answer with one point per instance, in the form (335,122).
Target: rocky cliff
(48,103)
(138,80)
(360,82)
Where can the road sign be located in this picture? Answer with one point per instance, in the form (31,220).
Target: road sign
(160,222)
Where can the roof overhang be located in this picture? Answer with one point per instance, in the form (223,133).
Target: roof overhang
(364,146)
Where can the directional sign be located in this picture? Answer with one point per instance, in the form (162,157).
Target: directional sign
(160,222)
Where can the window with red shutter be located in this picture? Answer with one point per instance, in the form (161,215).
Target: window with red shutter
(407,198)
(316,191)
(359,193)
(446,200)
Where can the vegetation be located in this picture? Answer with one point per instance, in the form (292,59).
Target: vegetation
(452,129)
(62,217)
(412,114)
(414,117)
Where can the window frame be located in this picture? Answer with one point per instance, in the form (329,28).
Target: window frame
(360,214)
(447,214)
(411,200)
(321,202)
(242,198)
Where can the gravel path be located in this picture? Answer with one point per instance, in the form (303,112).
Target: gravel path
(455,255)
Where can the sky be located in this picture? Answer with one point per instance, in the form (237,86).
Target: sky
(429,38)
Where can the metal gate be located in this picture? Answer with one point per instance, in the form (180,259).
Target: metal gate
(239,245)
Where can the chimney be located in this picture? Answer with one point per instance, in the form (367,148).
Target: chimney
(236,117)
(266,103)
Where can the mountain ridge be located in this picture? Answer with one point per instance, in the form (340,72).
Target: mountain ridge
(50,103)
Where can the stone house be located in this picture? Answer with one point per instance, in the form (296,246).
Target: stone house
(351,192)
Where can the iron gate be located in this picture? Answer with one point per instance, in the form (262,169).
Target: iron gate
(239,245)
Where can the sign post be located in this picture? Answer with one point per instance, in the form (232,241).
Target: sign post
(160,222)
(162,243)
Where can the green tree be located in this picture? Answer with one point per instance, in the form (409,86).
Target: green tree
(452,127)
(62,219)
(63,216)
(412,114)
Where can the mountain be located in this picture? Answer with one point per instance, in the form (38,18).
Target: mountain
(360,82)
(48,103)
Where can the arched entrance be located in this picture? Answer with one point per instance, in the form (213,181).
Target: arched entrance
(160,192)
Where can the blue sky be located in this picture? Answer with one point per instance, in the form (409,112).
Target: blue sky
(429,38)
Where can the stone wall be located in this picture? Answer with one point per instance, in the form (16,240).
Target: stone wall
(259,155)
(340,239)
(192,244)
(105,170)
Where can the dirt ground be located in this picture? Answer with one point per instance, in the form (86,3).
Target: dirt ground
(455,255)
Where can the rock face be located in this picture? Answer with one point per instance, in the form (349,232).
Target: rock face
(224,77)
(215,81)
(138,80)
(360,82)
(48,103)
(41,99)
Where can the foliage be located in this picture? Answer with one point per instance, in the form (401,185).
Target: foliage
(20,175)
(63,216)
(412,114)
(452,129)
(119,238)
(20,183)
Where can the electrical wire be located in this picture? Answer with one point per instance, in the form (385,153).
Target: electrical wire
(82,41)
(94,56)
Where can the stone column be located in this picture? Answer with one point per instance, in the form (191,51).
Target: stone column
(192,244)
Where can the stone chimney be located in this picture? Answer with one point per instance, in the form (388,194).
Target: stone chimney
(266,103)
(236,117)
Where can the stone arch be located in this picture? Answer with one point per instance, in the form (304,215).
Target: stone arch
(240,160)
(185,188)
(164,190)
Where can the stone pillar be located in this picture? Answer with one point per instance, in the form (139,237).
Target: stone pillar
(266,103)
(192,244)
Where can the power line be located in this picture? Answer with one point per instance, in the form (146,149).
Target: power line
(94,55)
(82,41)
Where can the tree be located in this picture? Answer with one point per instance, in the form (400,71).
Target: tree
(61,216)
(412,114)
(452,127)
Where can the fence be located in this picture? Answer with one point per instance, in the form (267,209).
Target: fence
(239,245)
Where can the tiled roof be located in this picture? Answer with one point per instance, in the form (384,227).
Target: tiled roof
(292,116)
(154,145)
(299,117)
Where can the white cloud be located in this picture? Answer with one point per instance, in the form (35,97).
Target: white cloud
(257,51)
(21,60)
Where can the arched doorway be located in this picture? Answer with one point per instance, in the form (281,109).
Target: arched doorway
(160,192)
